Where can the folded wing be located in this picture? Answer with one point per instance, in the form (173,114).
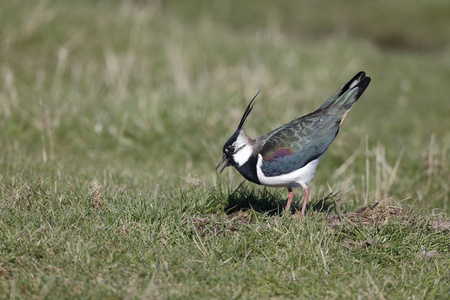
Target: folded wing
(295,144)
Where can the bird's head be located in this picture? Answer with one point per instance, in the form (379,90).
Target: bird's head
(239,147)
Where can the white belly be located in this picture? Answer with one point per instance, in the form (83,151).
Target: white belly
(295,178)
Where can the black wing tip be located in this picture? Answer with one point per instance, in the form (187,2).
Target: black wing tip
(360,81)
(362,78)
(247,111)
(363,83)
(360,75)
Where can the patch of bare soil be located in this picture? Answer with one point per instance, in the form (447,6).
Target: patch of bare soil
(382,212)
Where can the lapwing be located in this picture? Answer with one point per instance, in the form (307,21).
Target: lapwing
(288,156)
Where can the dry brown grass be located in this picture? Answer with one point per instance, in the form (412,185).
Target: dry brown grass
(381,212)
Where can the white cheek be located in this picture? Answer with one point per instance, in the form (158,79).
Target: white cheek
(243,155)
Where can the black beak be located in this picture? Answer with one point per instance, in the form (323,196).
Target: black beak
(224,160)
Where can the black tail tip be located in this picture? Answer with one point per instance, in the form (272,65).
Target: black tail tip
(364,80)
(360,81)
(361,76)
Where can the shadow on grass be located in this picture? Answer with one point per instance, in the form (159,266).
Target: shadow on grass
(272,203)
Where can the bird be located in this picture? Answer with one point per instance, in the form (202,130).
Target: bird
(288,156)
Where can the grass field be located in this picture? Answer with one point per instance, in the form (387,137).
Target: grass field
(113,115)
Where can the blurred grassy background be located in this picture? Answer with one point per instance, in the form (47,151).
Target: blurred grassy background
(148,91)
(113,115)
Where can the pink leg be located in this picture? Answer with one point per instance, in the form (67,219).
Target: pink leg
(306,189)
(290,198)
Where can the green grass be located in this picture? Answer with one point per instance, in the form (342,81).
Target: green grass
(113,115)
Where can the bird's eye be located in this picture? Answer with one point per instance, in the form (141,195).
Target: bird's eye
(229,150)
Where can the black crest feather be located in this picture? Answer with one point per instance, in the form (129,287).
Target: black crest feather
(247,111)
